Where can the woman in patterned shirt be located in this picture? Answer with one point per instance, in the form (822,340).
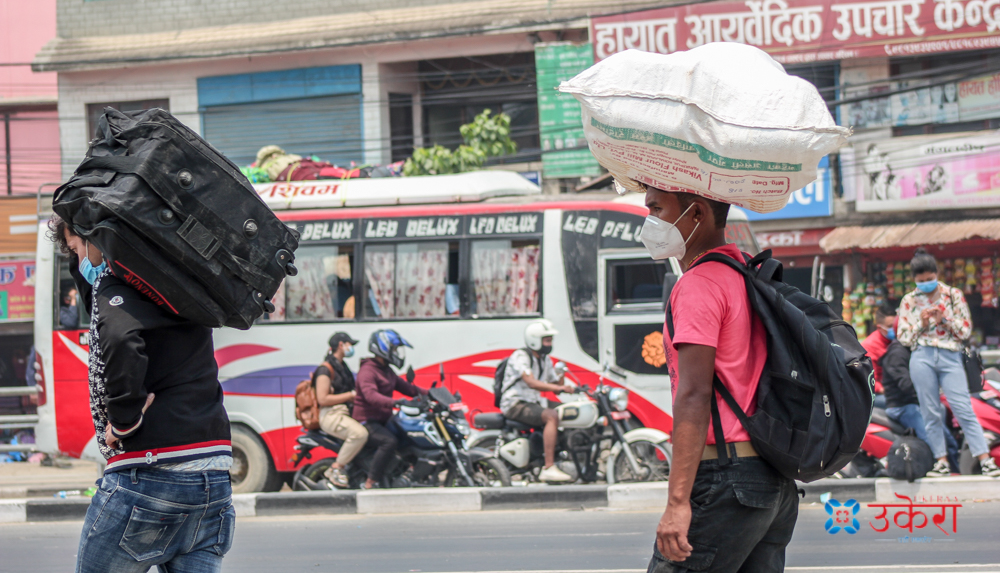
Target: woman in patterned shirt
(935,322)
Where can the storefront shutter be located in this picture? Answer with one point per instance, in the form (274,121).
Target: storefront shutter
(305,111)
(328,127)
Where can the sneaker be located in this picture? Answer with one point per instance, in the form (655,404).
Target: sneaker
(554,474)
(989,468)
(941,469)
(336,477)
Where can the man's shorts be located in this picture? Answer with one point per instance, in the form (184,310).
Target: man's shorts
(528,413)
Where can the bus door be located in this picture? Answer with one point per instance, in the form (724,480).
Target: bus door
(631,319)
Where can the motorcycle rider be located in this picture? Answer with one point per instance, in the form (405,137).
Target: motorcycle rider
(528,373)
(335,387)
(374,397)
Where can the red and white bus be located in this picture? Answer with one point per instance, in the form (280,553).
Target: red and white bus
(458,264)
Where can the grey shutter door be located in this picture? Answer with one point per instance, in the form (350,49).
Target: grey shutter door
(329,127)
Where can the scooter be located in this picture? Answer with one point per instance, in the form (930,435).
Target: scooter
(593,442)
(431,430)
(986,409)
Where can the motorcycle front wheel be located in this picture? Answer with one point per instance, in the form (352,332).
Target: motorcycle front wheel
(653,458)
(487,472)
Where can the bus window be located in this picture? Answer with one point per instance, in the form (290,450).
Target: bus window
(323,289)
(505,277)
(635,284)
(413,280)
(70,313)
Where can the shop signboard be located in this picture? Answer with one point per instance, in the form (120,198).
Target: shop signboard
(560,125)
(17,290)
(950,171)
(797,31)
(814,200)
(978,98)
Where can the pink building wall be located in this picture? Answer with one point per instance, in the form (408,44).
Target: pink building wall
(28,98)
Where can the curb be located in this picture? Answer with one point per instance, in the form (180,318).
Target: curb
(640,496)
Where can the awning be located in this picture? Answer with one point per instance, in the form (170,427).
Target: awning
(909,235)
(328,31)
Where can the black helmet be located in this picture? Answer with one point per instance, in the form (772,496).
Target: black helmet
(388,345)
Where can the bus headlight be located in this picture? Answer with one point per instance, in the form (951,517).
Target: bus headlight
(619,398)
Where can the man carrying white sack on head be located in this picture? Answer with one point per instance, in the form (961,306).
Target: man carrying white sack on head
(698,131)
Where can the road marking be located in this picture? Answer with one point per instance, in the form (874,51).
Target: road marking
(951,568)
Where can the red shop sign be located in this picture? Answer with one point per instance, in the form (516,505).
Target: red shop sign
(794,31)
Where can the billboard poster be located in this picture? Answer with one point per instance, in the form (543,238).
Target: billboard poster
(803,31)
(17,290)
(950,171)
(560,114)
(814,200)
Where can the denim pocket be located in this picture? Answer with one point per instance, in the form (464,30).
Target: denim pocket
(149,533)
(227,526)
(757,495)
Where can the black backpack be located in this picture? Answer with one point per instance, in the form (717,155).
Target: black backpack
(177,220)
(816,391)
(909,458)
(499,376)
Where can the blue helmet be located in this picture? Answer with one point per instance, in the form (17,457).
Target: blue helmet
(388,345)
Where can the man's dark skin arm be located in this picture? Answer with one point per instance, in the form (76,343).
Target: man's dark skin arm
(691,410)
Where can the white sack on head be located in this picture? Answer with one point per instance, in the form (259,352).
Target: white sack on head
(722,120)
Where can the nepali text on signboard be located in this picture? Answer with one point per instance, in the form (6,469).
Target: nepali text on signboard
(795,31)
(561,136)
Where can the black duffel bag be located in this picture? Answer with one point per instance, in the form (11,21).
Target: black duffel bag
(177,220)
(909,458)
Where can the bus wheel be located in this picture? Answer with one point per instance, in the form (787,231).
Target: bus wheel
(252,468)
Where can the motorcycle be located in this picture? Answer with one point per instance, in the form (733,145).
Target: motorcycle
(882,430)
(593,442)
(431,430)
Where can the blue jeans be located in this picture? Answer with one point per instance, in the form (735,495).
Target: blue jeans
(177,521)
(934,369)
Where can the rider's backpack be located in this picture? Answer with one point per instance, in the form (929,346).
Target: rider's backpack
(307,408)
(499,376)
(177,220)
(816,391)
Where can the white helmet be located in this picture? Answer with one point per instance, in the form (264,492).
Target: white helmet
(536,331)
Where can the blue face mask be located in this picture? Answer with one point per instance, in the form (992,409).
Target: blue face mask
(88,271)
(349,352)
(890,334)
(927,286)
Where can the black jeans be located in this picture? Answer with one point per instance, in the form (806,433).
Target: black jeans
(743,516)
(385,441)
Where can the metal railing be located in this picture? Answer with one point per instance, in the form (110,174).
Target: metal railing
(19,420)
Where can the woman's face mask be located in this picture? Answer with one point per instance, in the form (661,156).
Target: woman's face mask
(349,351)
(664,240)
(87,270)
(927,286)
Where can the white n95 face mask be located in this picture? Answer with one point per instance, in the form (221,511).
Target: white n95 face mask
(663,240)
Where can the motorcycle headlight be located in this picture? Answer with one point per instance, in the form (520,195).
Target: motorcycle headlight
(619,398)
(462,425)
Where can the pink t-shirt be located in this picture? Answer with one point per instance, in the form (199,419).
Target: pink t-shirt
(710,308)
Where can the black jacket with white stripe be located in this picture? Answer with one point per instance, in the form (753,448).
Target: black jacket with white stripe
(139,348)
